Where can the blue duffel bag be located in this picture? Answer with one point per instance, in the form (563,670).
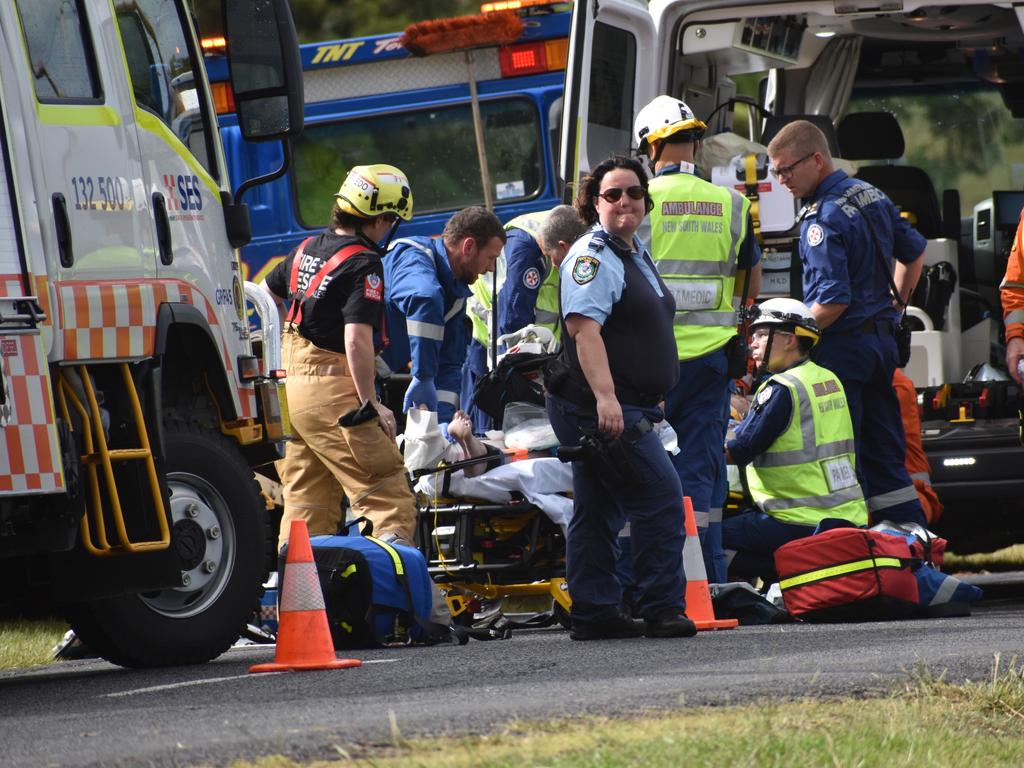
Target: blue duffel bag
(376,593)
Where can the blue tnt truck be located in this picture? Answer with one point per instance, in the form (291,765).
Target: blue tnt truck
(369,100)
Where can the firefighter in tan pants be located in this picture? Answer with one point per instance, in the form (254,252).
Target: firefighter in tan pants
(344,439)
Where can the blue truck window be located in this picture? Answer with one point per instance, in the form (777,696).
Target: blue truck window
(60,50)
(434,146)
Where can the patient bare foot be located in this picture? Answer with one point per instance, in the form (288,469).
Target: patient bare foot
(461,429)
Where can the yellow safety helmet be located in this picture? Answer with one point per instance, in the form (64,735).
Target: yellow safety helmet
(788,313)
(663,117)
(373,190)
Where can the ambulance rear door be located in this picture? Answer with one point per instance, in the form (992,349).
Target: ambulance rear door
(612,73)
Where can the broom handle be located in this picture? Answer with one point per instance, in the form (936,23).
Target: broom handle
(478,129)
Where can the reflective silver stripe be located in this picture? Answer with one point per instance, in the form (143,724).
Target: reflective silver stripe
(1010,284)
(424,330)
(301,590)
(708,318)
(945,592)
(729,555)
(694,267)
(446,396)
(828,501)
(892,498)
(456,308)
(1016,316)
(406,241)
(543,317)
(703,519)
(736,227)
(924,477)
(693,560)
(624,533)
(814,453)
(715,515)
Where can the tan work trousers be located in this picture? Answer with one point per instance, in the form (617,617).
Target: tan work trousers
(325,460)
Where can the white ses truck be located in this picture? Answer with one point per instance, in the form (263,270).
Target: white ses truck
(923,100)
(131,404)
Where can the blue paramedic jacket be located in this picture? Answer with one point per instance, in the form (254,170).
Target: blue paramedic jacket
(426,317)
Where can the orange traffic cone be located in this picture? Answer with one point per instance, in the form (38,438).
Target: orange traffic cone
(303,637)
(698,597)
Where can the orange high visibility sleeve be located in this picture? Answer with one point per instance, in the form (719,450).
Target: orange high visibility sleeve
(1011,290)
(916,459)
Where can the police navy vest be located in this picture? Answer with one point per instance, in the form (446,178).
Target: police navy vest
(808,473)
(637,334)
(696,232)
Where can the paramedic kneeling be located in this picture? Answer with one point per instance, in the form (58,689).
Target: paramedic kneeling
(618,359)
(796,442)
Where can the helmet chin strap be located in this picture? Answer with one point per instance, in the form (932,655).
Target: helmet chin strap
(391,234)
(380,248)
(764,368)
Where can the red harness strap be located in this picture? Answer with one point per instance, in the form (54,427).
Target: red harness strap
(299,297)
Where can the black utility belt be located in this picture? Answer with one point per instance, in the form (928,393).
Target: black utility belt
(885,326)
(569,384)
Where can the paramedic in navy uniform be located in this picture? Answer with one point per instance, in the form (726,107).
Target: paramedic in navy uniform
(849,295)
(619,357)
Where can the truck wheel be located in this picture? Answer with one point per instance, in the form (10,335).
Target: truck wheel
(219,522)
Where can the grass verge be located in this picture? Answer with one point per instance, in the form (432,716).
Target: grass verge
(926,722)
(1006,559)
(29,642)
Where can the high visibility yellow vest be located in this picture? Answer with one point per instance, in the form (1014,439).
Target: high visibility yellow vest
(545,311)
(809,472)
(696,232)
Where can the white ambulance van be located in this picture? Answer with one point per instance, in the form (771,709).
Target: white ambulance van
(132,406)
(924,100)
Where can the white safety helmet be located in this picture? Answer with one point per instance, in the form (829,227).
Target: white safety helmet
(787,314)
(663,117)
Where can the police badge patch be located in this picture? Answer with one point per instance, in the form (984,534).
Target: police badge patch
(531,278)
(585,269)
(815,234)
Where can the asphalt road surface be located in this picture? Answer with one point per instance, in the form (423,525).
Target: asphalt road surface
(92,713)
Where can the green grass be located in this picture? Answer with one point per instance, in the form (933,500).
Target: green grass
(925,722)
(1006,559)
(29,642)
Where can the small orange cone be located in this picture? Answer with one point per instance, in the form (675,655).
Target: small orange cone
(303,637)
(698,597)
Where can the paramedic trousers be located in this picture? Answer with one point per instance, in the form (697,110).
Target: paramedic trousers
(698,409)
(652,507)
(751,538)
(865,362)
(474,369)
(325,461)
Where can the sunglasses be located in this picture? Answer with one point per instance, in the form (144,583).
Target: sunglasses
(614,194)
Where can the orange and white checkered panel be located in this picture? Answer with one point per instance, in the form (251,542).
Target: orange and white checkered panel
(29,447)
(116,320)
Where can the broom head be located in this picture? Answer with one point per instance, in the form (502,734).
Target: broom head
(444,35)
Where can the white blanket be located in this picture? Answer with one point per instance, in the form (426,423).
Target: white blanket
(541,481)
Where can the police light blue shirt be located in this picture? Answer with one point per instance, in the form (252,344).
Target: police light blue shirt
(838,251)
(592,276)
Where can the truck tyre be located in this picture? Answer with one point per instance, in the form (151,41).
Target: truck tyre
(219,521)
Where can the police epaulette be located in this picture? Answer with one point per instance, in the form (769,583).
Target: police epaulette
(598,240)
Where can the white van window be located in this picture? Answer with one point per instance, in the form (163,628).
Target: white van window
(612,75)
(60,50)
(436,149)
(162,70)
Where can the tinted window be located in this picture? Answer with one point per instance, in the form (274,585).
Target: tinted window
(436,149)
(163,72)
(612,73)
(60,50)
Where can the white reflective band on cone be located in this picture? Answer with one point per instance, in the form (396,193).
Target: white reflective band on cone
(301,590)
(693,560)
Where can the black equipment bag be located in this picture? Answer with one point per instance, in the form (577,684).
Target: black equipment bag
(517,379)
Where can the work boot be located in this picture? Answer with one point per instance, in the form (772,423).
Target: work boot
(670,622)
(613,628)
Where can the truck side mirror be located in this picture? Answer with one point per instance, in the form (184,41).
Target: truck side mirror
(266,71)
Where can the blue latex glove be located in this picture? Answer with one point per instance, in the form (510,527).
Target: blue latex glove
(444,431)
(420,392)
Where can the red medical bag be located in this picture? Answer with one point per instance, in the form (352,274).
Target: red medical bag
(849,574)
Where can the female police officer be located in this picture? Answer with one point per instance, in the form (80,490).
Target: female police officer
(618,360)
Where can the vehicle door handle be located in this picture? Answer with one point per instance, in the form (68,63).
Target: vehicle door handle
(163,229)
(62,225)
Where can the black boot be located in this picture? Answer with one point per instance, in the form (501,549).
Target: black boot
(670,622)
(613,628)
